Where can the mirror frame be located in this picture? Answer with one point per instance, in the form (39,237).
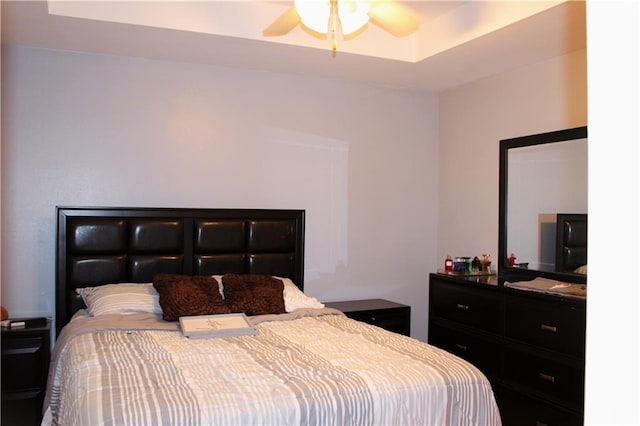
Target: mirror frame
(504,270)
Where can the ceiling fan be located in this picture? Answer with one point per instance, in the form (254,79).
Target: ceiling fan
(339,18)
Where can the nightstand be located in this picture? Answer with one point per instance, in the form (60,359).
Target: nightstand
(25,366)
(389,315)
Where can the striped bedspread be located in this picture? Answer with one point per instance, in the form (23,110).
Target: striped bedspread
(314,367)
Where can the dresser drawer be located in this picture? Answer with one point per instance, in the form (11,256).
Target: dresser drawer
(519,410)
(550,325)
(551,378)
(480,309)
(480,352)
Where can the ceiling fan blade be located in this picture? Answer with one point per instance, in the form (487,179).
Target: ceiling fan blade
(285,23)
(394,18)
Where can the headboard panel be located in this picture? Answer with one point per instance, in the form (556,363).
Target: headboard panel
(97,246)
(571,241)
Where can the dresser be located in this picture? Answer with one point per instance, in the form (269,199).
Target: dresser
(383,313)
(25,365)
(530,345)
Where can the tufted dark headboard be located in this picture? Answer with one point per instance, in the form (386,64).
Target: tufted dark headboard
(102,245)
(571,241)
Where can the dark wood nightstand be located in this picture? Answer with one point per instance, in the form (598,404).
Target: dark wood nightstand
(389,315)
(25,366)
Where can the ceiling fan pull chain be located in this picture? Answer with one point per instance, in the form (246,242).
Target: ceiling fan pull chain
(334,26)
(334,42)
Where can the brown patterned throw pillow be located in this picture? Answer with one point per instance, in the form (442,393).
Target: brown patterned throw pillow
(183,295)
(253,294)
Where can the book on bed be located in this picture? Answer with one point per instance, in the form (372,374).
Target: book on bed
(221,325)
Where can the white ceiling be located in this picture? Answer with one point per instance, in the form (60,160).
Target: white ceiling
(457,42)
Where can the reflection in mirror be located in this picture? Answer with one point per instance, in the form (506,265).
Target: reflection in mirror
(541,176)
(544,180)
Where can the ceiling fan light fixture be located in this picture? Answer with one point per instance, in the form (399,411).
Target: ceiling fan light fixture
(314,14)
(354,14)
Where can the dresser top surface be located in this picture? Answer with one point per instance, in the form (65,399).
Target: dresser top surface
(496,283)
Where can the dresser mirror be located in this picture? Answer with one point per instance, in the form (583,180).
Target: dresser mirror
(541,176)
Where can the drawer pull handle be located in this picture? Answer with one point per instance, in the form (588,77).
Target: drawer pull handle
(546,377)
(373,318)
(550,328)
(461,347)
(462,307)
(18,351)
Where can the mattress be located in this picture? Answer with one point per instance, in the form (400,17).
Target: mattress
(310,366)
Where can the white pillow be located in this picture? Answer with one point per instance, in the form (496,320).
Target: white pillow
(123,298)
(294,298)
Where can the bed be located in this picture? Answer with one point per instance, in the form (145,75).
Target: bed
(118,361)
(571,243)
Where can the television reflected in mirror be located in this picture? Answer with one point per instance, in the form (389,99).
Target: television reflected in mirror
(543,181)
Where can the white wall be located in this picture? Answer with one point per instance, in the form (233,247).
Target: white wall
(81,129)
(550,95)
(612,381)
